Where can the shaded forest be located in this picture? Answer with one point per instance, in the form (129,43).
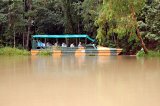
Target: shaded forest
(128,24)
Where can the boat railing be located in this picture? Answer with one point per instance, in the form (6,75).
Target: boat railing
(52,48)
(65,48)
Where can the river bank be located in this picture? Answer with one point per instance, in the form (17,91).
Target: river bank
(150,54)
(9,51)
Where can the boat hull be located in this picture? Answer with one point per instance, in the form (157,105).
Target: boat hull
(82,52)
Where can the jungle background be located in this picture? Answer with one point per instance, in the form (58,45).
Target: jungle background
(128,24)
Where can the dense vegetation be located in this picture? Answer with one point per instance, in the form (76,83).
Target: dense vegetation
(150,54)
(128,24)
(8,51)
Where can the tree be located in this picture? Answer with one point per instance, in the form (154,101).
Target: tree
(89,14)
(49,18)
(28,8)
(18,23)
(121,18)
(66,7)
(115,23)
(12,21)
(149,24)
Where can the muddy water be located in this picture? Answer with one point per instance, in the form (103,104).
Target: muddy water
(79,81)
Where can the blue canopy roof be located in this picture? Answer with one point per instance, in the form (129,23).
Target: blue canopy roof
(64,36)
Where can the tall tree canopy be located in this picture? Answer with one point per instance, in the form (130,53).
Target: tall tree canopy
(128,24)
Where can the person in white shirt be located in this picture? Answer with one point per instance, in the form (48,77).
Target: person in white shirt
(63,44)
(72,45)
(48,44)
(80,44)
(43,45)
(56,44)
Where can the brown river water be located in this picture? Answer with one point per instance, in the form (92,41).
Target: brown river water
(79,81)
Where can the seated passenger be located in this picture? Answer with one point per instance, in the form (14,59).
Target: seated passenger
(72,45)
(48,44)
(63,44)
(43,45)
(80,45)
(56,44)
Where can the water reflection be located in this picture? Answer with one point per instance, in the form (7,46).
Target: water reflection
(79,81)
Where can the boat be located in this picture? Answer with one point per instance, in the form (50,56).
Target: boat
(86,50)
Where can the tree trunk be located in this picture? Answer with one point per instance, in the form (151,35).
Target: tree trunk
(9,15)
(28,32)
(138,31)
(78,27)
(69,26)
(14,34)
(141,41)
(29,24)
(23,41)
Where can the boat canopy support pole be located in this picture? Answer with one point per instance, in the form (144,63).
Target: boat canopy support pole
(76,41)
(85,41)
(45,41)
(56,40)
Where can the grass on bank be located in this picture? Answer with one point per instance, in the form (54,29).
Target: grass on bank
(13,51)
(45,53)
(150,54)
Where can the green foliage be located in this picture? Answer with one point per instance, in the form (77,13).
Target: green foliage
(3,18)
(101,36)
(109,21)
(11,21)
(118,16)
(13,51)
(149,21)
(90,14)
(149,24)
(150,54)
(45,53)
(49,18)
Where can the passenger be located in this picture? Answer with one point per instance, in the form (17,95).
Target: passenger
(80,45)
(48,44)
(63,45)
(56,44)
(43,45)
(72,45)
